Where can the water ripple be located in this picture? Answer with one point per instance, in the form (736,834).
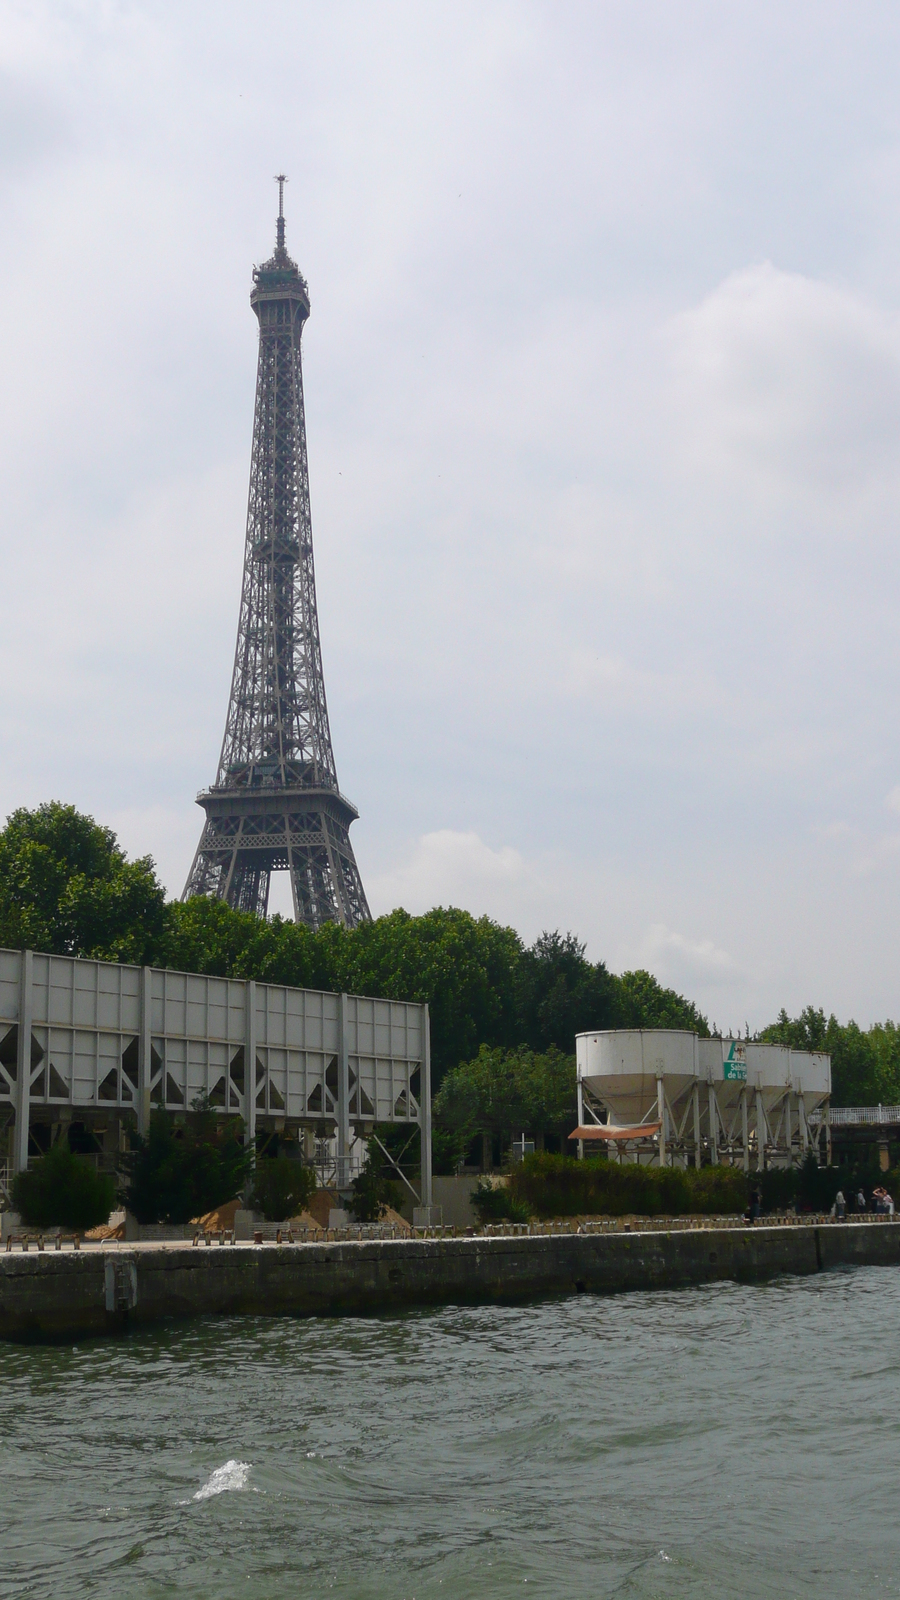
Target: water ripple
(730,1440)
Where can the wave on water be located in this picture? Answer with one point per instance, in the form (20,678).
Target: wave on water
(233,1475)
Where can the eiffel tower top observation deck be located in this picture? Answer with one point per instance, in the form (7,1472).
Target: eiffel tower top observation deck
(275,804)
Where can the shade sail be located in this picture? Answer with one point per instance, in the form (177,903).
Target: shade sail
(604,1131)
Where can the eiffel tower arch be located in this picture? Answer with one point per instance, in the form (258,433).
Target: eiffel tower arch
(275,805)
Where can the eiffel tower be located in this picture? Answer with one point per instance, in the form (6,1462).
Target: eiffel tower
(275,805)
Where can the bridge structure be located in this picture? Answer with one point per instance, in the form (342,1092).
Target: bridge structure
(853,1128)
(89,1049)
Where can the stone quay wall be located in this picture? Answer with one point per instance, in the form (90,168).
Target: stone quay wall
(63,1294)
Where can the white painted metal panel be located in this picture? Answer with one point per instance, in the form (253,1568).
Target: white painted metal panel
(622,1068)
(811,1076)
(10,968)
(87,1017)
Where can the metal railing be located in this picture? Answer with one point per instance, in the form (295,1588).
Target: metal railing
(859,1116)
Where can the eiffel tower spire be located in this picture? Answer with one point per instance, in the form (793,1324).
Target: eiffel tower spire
(275,804)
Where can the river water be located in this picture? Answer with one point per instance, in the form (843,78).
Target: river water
(716,1442)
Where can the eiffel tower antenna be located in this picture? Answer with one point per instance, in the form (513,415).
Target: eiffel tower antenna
(281,180)
(275,804)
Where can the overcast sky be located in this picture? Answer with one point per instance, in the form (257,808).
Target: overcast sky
(603,395)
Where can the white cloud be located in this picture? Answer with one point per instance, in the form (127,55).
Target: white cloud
(787,380)
(684,963)
(459,869)
(605,509)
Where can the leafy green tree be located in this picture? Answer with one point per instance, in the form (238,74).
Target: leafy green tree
(206,935)
(642,1002)
(560,993)
(865,1064)
(178,1173)
(503,1092)
(373,1191)
(464,967)
(63,1190)
(281,1188)
(497,1202)
(66,887)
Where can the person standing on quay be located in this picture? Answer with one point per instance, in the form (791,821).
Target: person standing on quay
(861,1201)
(840,1205)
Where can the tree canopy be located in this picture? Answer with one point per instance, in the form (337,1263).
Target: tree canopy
(66,886)
(503,1092)
(865,1063)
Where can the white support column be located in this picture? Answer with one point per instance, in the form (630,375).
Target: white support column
(745,1129)
(827,1120)
(760,1133)
(713,1127)
(425,1109)
(696,1096)
(661,1108)
(579,1093)
(145,1055)
(343,1094)
(804,1130)
(23,1061)
(250,1063)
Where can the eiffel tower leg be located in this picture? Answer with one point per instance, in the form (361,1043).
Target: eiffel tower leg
(249,890)
(209,870)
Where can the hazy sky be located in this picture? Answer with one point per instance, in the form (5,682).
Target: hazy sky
(603,394)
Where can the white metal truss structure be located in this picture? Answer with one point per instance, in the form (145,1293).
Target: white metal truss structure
(666,1096)
(103,1044)
(275,804)
(697,1129)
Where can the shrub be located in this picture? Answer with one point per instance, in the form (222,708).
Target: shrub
(496,1204)
(281,1188)
(561,1186)
(373,1193)
(63,1190)
(179,1173)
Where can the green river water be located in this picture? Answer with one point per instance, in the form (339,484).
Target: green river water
(725,1441)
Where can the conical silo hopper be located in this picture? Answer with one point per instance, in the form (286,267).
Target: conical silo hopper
(811,1081)
(811,1078)
(724,1065)
(723,1073)
(621,1069)
(769,1072)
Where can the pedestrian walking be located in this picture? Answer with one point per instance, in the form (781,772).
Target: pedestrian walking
(861,1201)
(840,1205)
(887,1202)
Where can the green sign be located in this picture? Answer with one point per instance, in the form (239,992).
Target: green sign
(734,1061)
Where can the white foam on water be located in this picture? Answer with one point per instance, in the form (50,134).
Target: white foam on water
(233,1475)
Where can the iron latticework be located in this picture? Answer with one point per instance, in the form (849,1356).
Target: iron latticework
(275,804)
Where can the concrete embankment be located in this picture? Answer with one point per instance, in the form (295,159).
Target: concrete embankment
(67,1293)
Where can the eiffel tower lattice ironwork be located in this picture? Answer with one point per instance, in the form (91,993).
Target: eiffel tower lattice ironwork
(275,804)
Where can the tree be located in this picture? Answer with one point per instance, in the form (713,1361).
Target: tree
(66,887)
(865,1065)
(560,993)
(501,1092)
(282,1188)
(178,1173)
(206,935)
(373,1192)
(63,1190)
(642,1002)
(464,967)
